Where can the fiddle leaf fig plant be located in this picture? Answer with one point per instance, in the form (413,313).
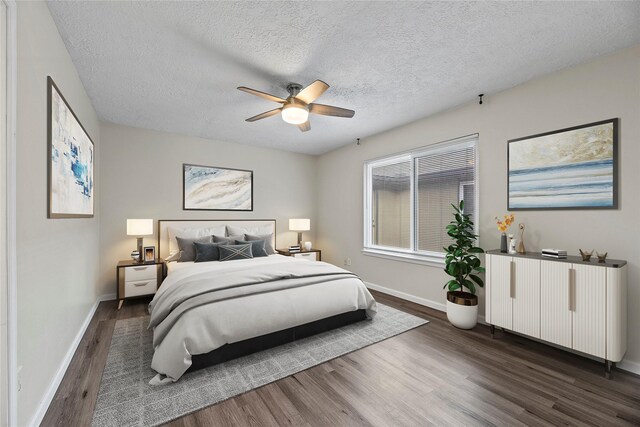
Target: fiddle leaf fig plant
(461,261)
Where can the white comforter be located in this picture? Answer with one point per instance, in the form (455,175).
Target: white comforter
(207,327)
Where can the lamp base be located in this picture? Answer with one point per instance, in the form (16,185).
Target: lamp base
(141,255)
(300,239)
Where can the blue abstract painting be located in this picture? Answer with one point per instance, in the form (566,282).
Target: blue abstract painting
(564,169)
(71,161)
(212,188)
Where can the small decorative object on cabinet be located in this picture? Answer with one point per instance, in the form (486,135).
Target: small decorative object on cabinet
(602,257)
(307,246)
(135,255)
(463,265)
(138,280)
(586,255)
(512,244)
(149,253)
(521,249)
(569,302)
(503,226)
(312,254)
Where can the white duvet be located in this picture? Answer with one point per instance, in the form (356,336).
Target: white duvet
(207,327)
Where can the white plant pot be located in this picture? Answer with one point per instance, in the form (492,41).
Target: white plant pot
(462,316)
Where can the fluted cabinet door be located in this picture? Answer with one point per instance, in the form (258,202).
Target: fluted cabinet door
(555,313)
(500,282)
(589,315)
(526,296)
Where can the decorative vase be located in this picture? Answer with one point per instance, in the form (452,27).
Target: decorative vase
(503,243)
(307,246)
(462,309)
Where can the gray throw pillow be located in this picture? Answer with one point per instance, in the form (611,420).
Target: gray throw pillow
(207,251)
(268,238)
(187,247)
(230,239)
(257,247)
(233,252)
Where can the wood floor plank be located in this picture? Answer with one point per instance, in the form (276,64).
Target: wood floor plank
(432,375)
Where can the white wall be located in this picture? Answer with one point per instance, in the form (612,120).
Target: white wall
(605,88)
(57,258)
(142,178)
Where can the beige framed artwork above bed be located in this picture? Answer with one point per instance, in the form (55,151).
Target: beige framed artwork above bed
(167,227)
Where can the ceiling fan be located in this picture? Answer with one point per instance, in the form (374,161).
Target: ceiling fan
(296,108)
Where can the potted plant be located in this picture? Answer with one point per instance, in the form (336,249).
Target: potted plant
(463,265)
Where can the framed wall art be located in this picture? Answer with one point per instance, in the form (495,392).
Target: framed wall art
(70,160)
(573,168)
(217,189)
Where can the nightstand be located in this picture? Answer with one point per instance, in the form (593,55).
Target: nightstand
(312,255)
(138,279)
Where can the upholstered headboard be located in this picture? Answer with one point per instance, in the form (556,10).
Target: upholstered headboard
(167,227)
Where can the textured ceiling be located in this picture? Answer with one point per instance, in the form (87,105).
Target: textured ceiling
(175,66)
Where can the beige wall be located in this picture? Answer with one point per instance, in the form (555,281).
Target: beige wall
(57,258)
(605,88)
(142,178)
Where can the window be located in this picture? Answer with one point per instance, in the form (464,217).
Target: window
(408,199)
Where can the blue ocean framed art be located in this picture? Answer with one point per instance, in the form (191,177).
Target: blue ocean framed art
(70,160)
(572,168)
(209,188)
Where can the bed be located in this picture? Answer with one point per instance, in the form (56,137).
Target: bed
(209,312)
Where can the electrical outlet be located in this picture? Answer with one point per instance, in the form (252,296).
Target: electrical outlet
(348,261)
(19,375)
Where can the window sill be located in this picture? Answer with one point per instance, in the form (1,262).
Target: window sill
(430,260)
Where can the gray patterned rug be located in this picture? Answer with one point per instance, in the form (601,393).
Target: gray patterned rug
(126,398)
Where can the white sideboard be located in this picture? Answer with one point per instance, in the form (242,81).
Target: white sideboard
(576,304)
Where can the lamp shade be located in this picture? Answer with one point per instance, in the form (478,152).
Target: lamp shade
(299,224)
(139,227)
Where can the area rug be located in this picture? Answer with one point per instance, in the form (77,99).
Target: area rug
(125,397)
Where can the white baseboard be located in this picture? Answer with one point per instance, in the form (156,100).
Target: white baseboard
(625,365)
(629,366)
(418,300)
(37,417)
(107,297)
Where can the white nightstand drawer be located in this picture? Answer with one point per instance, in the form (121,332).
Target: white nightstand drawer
(140,287)
(311,256)
(140,272)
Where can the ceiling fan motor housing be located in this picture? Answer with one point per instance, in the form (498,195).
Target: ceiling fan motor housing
(294,89)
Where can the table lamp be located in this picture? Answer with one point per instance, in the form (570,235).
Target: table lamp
(139,228)
(299,225)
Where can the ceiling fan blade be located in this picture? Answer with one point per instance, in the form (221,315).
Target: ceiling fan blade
(305,126)
(264,115)
(262,94)
(312,92)
(329,110)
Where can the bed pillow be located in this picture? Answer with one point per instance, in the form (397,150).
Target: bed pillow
(207,251)
(187,247)
(234,252)
(192,232)
(268,238)
(229,240)
(257,247)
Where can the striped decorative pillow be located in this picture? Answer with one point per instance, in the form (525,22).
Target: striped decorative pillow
(234,252)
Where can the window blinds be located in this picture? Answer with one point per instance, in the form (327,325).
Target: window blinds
(442,178)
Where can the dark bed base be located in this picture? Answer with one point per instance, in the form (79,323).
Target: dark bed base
(253,345)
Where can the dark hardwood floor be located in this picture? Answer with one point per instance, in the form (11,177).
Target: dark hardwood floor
(431,375)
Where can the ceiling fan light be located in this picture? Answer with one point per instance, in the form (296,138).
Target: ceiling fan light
(295,114)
